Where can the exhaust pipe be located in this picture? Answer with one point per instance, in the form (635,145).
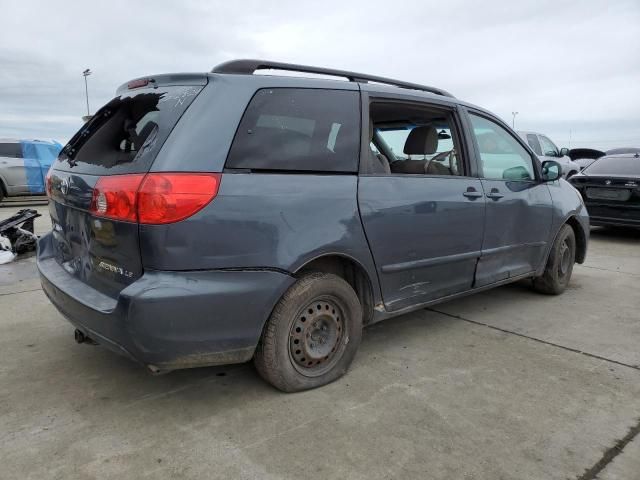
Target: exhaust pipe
(82,338)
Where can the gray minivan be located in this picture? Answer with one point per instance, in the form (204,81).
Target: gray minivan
(206,219)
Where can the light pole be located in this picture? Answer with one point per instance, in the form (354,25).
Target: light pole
(85,74)
(513,122)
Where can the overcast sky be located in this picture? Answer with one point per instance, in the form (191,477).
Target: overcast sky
(563,65)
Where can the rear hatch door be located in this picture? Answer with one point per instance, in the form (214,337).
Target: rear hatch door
(122,139)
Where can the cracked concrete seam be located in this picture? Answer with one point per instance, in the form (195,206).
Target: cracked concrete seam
(545,342)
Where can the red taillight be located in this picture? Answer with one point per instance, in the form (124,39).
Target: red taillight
(171,197)
(47,184)
(115,197)
(155,198)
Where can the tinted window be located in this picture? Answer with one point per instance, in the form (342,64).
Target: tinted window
(501,155)
(548,147)
(614,166)
(126,134)
(533,142)
(13,150)
(298,129)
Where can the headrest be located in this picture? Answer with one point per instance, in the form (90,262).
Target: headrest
(422,141)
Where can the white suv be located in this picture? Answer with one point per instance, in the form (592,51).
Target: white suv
(545,149)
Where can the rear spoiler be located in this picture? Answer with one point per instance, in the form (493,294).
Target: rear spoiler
(576,153)
(165,79)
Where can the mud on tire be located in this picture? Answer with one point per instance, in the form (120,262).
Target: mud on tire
(312,335)
(562,257)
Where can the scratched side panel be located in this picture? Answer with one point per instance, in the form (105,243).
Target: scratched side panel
(264,220)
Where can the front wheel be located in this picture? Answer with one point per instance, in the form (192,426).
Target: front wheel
(312,335)
(557,272)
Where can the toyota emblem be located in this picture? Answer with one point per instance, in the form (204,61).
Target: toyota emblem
(64,186)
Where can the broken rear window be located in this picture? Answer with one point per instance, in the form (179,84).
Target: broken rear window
(127,133)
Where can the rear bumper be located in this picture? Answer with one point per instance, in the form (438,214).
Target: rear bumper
(614,215)
(170,320)
(614,222)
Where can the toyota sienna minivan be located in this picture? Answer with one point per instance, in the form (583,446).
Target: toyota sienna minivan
(216,218)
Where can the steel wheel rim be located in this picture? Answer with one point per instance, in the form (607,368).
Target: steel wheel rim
(318,336)
(565,258)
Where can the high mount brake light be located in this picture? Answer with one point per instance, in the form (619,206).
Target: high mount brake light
(142,82)
(154,198)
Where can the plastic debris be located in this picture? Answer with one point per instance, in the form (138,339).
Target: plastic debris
(18,229)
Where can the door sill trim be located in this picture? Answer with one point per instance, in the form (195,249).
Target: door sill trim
(393,313)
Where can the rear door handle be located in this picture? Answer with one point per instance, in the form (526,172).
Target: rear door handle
(495,194)
(472,193)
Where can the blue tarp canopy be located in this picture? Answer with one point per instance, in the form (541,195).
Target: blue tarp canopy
(38,157)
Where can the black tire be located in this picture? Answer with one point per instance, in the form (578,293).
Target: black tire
(562,257)
(312,335)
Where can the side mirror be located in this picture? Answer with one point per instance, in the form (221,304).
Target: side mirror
(516,173)
(551,171)
(564,152)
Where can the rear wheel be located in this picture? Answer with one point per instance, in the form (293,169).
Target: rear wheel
(312,335)
(557,272)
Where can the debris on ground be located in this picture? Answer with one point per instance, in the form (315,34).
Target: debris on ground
(16,235)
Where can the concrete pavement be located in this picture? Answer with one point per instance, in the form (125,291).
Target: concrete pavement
(504,384)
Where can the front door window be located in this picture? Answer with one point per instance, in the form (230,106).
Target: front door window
(502,157)
(548,147)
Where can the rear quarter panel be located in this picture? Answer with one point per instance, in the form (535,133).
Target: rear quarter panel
(265,221)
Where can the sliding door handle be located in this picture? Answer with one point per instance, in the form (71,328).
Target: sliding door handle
(495,194)
(472,193)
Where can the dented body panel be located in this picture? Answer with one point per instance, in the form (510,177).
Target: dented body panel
(199,291)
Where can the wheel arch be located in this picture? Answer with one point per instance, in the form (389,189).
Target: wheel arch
(349,269)
(581,238)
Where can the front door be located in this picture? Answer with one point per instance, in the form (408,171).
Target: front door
(422,214)
(519,208)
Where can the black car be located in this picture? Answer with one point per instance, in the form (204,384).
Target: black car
(610,187)
(586,156)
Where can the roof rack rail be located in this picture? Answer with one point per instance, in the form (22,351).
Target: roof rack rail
(248,67)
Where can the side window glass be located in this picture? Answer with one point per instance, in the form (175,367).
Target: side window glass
(502,157)
(549,149)
(533,142)
(416,139)
(298,129)
(12,150)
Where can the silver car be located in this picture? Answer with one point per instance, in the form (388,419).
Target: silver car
(24,165)
(545,149)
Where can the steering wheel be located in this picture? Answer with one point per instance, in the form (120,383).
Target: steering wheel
(443,155)
(440,157)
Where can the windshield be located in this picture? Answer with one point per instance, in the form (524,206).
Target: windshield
(126,134)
